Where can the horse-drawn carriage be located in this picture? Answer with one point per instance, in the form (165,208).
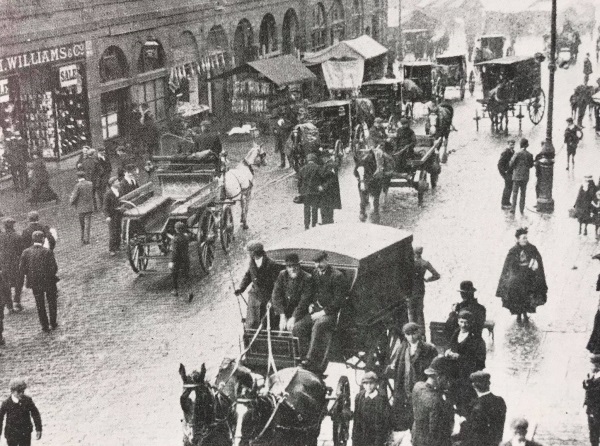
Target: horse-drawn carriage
(509,84)
(567,48)
(330,129)
(453,71)
(386,95)
(288,408)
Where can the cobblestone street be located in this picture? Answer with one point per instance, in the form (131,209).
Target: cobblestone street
(108,375)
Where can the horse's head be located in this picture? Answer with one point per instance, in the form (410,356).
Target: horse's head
(203,409)
(256,156)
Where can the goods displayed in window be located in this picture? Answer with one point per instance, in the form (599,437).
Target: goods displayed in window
(250,96)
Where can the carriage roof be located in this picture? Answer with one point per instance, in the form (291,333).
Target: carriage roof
(383,81)
(508,60)
(451,59)
(417,63)
(331,103)
(348,244)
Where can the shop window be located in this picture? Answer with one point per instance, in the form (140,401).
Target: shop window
(319,30)
(152,56)
(113,64)
(152,93)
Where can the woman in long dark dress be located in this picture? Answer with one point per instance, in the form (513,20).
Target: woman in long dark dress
(522,285)
(41,191)
(584,211)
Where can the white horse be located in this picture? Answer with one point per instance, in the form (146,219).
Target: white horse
(238,181)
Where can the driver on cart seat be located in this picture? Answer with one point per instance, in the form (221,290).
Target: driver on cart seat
(406,140)
(291,293)
(329,291)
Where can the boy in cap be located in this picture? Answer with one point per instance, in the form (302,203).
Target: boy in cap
(573,135)
(19,409)
(11,248)
(519,427)
(82,198)
(129,182)
(591,384)
(372,421)
(484,422)
(262,273)
(430,403)
(34,225)
(180,257)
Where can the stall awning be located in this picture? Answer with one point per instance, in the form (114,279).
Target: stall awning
(343,74)
(282,70)
(363,47)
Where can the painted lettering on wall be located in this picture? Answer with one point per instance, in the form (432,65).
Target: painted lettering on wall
(32,58)
(4,90)
(68,75)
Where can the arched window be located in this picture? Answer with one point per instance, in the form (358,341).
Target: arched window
(291,41)
(268,35)
(357,18)
(113,64)
(319,29)
(243,43)
(377,21)
(337,22)
(152,56)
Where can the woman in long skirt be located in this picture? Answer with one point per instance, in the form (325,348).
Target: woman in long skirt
(41,191)
(522,285)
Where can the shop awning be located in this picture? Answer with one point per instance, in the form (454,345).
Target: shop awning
(282,70)
(363,47)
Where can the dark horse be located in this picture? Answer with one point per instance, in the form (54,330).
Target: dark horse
(209,411)
(289,414)
(369,184)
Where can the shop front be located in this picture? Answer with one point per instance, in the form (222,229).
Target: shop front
(43,95)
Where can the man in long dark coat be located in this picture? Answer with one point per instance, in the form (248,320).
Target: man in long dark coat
(310,188)
(102,176)
(521,163)
(469,303)
(330,198)
(35,225)
(39,266)
(413,358)
(11,248)
(484,423)
(506,172)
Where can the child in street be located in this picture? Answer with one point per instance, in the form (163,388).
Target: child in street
(180,259)
(372,415)
(573,135)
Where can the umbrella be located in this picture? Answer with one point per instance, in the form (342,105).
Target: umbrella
(410,89)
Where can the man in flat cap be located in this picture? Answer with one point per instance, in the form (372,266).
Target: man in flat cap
(34,225)
(11,248)
(39,266)
(372,421)
(591,385)
(519,427)
(506,172)
(329,291)
(292,293)
(112,211)
(433,413)
(19,409)
(310,187)
(262,273)
(483,425)
(415,355)
(82,197)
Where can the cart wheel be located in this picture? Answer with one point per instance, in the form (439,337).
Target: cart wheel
(137,253)
(226,228)
(341,413)
(207,237)
(536,107)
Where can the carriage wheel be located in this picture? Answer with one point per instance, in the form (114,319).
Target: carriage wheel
(226,228)
(536,107)
(207,237)
(340,412)
(137,253)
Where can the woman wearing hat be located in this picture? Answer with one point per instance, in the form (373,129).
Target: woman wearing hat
(468,349)
(584,211)
(522,286)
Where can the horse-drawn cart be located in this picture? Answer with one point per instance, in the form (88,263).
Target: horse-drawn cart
(453,73)
(189,189)
(508,85)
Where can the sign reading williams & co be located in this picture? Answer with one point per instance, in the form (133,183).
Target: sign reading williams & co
(39,57)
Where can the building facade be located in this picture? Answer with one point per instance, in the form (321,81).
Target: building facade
(72,73)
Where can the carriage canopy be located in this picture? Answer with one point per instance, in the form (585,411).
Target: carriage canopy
(522,72)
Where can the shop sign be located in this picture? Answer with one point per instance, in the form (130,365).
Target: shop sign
(68,75)
(33,58)
(4,90)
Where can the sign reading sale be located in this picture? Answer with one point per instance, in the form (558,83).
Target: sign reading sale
(68,75)
(4,90)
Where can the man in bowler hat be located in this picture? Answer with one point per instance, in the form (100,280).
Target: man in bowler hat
(469,303)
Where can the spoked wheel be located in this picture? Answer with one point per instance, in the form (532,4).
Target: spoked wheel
(137,253)
(207,237)
(226,228)
(536,107)
(341,413)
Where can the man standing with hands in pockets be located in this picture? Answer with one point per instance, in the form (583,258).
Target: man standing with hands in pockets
(521,163)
